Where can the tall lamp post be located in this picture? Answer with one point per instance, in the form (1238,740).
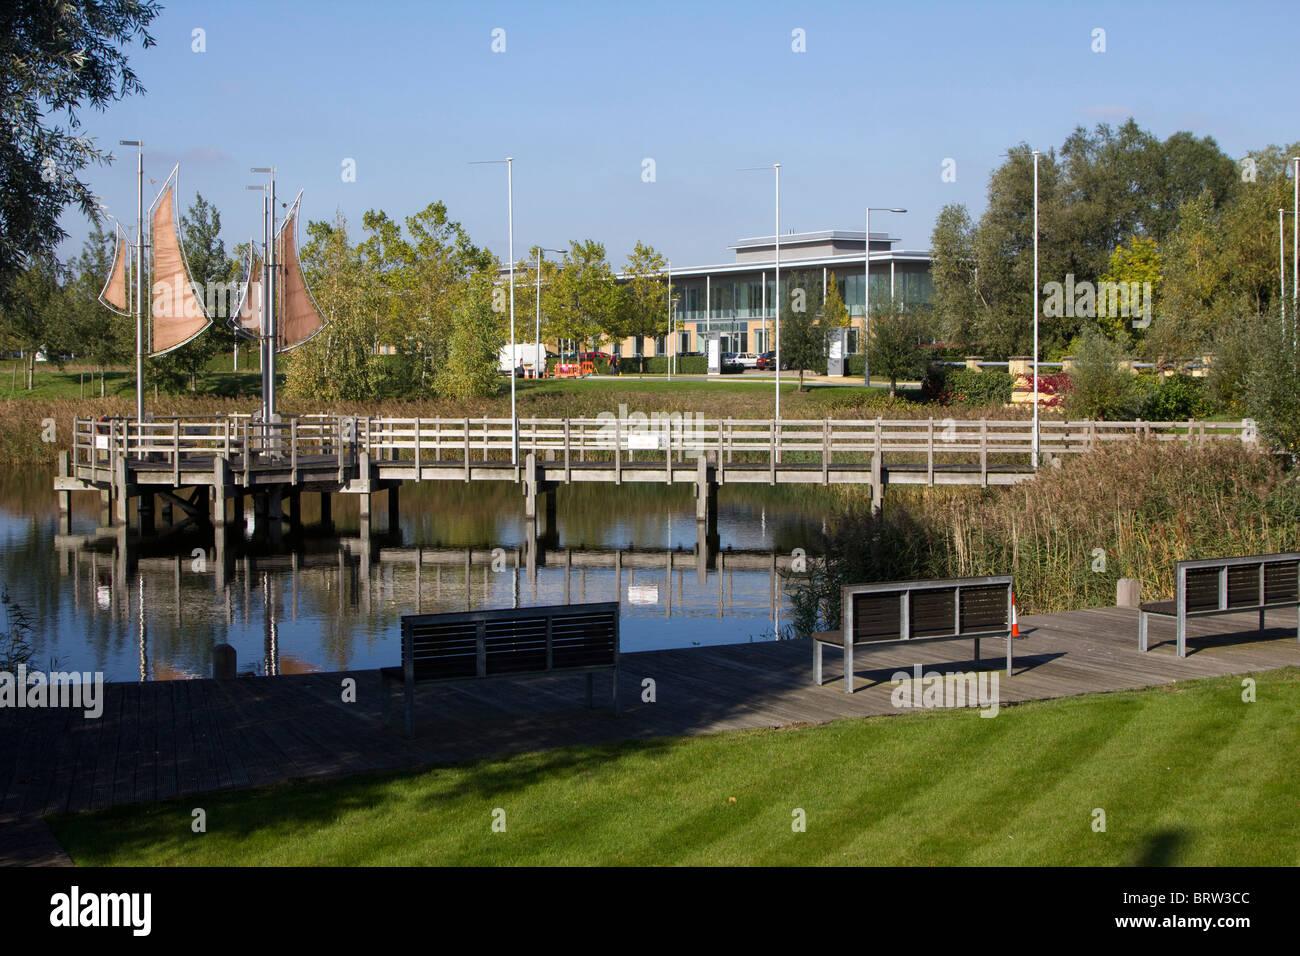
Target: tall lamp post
(269,332)
(1035,452)
(538,330)
(776,313)
(669,338)
(866,294)
(510,215)
(139,275)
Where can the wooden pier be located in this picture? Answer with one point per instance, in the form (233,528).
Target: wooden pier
(167,739)
(205,468)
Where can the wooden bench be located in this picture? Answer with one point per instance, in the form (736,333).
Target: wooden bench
(506,644)
(904,612)
(1262,582)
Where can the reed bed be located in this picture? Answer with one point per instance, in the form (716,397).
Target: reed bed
(1130,510)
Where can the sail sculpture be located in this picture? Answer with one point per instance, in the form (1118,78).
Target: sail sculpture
(300,318)
(115,295)
(246,320)
(178,313)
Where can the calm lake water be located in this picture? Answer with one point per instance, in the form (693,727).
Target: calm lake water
(330,600)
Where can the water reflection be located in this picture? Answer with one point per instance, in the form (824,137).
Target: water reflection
(327,598)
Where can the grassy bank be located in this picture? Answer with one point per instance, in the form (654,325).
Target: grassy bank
(1130,510)
(1186,775)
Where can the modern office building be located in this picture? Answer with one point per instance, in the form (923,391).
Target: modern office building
(737,299)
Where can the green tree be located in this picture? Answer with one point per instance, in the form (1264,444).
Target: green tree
(56,58)
(1099,385)
(835,314)
(583,300)
(34,316)
(644,306)
(342,362)
(897,344)
(1139,263)
(477,337)
(803,338)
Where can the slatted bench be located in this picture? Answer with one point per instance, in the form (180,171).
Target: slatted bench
(1262,582)
(904,612)
(505,643)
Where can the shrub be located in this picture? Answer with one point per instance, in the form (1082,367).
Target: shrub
(1173,399)
(950,385)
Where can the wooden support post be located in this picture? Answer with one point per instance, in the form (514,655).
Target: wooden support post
(466,436)
(566,451)
(618,454)
(877,477)
(119,491)
(394,519)
(530,486)
(929,457)
(984,453)
(417,449)
(326,509)
(65,471)
(702,489)
(295,509)
(826,451)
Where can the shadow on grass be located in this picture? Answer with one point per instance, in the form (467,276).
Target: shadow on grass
(1161,849)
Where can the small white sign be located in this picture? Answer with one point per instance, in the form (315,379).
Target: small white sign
(642,440)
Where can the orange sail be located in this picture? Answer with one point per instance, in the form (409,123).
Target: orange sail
(178,313)
(247,317)
(114,293)
(299,318)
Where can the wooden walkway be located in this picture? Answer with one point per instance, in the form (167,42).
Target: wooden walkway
(163,740)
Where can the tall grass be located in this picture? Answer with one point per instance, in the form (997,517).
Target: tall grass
(1129,510)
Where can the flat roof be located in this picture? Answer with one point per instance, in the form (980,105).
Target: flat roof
(803,238)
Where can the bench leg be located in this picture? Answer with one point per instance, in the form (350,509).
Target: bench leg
(1261,619)
(977,653)
(614,693)
(817,663)
(1142,630)
(1009,660)
(848,666)
(1182,635)
(410,709)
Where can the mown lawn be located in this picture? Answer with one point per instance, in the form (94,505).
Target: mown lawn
(1188,774)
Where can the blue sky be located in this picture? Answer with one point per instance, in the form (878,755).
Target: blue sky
(584,93)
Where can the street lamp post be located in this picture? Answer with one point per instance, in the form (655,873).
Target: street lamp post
(669,339)
(139,275)
(1035,451)
(776,313)
(866,294)
(510,215)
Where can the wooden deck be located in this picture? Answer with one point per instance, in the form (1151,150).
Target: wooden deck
(163,740)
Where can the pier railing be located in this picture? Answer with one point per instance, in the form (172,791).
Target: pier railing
(245,441)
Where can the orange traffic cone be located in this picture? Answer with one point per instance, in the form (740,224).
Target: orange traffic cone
(1015,626)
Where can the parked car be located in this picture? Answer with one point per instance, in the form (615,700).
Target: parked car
(747,359)
(768,361)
